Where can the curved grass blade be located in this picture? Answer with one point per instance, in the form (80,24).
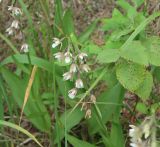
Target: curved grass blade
(39,62)
(14,126)
(9,43)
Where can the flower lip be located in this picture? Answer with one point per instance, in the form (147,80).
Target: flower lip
(15,24)
(73,68)
(67,76)
(56,42)
(79,83)
(68,57)
(59,56)
(85,67)
(10,31)
(24,48)
(82,55)
(72,93)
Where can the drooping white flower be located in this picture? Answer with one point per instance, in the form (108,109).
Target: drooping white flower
(67,76)
(15,11)
(68,57)
(59,56)
(10,31)
(82,56)
(133,145)
(79,83)
(15,24)
(10,8)
(85,67)
(24,48)
(73,68)
(56,42)
(132,130)
(72,93)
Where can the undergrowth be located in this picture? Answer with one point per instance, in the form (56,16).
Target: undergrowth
(63,89)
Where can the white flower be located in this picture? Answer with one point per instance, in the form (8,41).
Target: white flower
(24,48)
(68,57)
(56,42)
(0,1)
(82,55)
(73,68)
(79,83)
(10,8)
(72,93)
(85,67)
(133,145)
(132,130)
(15,24)
(15,11)
(67,76)
(10,31)
(59,56)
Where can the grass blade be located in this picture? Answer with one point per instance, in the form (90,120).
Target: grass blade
(14,126)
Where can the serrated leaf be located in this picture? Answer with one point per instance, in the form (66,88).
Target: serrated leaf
(130,10)
(108,56)
(130,75)
(136,52)
(146,87)
(117,21)
(154,55)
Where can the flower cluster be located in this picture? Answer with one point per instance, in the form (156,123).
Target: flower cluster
(15,13)
(15,25)
(141,135)
(77,66)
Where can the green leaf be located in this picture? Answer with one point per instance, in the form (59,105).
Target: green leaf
(70,119)
(92,48)
(34,109)
(130,75)
(58,16)
(112,100)
(68,25)
(136,52)
(138,2)
(78,143)
(14,126)
(117,137)
(145,88)
(154,54)
(130,10)
(42,63)
(85,35)
(116,22)
(108,56)
(141,107)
